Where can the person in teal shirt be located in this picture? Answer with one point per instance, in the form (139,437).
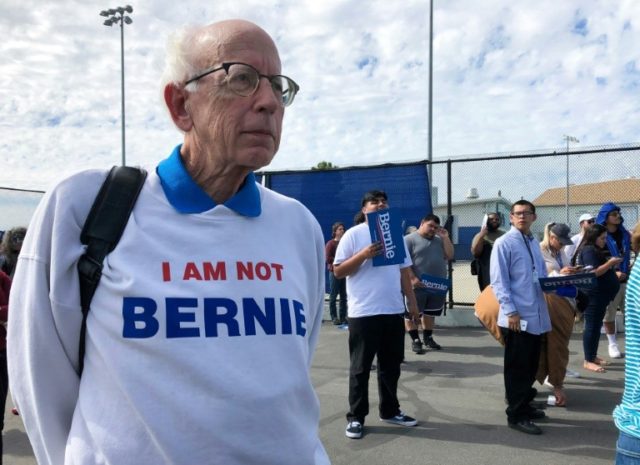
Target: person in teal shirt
(627,415)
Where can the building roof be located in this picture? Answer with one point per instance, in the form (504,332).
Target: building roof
(478,201)
(619,191)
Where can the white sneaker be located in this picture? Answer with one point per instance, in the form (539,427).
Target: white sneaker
(572,374)
(354,430)
(547,383)
(614,351)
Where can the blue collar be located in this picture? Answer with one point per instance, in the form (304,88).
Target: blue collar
(187,197)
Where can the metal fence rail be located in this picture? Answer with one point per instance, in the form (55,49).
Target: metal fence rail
(464,188)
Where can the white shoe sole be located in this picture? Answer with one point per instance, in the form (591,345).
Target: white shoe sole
(399,423)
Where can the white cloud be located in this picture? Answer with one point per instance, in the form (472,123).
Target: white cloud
(507,76)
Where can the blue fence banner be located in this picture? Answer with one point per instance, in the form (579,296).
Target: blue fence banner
(435,285)
(583,280)
(385,226)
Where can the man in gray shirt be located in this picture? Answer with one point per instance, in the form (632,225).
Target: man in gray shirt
(429,248)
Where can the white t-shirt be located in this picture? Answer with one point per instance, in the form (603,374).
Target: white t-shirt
(571,249)
(371,290)
(199,339)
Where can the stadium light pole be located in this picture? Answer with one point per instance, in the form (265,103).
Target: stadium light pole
(115,16)
(430,129)
(566,200)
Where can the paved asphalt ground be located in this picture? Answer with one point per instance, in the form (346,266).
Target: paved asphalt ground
(457,395)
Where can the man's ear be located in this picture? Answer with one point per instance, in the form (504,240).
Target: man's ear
(175,98)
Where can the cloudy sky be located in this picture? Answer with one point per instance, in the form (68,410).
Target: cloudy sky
(508,76)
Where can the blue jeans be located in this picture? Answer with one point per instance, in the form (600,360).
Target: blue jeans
(338,287)
(593,314)
(627,450)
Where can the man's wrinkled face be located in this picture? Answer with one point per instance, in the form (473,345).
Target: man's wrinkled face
(238,131)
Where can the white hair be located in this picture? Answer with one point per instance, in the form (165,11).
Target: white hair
(183,55)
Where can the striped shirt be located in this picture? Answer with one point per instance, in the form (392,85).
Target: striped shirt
(627,414)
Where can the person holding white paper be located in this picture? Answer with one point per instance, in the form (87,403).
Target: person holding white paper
(482,245)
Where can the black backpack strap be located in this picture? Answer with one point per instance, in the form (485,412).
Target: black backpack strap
(101,232)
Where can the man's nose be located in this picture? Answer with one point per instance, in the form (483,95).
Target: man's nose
(266,97)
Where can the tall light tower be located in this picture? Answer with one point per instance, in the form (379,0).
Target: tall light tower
(115,16)
(566,201)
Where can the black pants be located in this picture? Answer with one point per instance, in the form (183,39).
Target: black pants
(382,335)
(521,357)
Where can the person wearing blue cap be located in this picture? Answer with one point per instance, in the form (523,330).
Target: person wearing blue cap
(619,245)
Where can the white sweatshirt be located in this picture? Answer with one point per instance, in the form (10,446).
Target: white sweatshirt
(199,338)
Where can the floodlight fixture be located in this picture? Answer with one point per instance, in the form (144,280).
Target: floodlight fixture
(575,140)
(117,15)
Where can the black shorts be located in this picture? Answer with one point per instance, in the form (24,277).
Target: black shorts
(429,304)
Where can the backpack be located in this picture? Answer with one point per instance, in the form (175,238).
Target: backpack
(102,231)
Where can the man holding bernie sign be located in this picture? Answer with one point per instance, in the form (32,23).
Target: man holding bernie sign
(373,258)
(429,248)
(386,229)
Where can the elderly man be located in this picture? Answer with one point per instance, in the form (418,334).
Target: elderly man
(516,265)
(201,333)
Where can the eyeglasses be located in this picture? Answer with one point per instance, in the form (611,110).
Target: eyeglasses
(590,221)
(243,80)
(522,214)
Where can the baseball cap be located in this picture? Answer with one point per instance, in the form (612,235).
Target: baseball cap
(561,231)
(585,217)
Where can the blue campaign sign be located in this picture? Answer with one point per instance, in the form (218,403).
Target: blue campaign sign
(435,285)
(385,227)
(583,280)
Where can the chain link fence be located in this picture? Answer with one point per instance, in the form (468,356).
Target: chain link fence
(463,188)
(562,185)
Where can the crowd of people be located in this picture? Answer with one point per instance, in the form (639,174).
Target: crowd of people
(534,326)
(255,313)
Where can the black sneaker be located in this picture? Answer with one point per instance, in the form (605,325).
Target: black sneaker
(354,430)
(416,346)
(336,322)
(526,426)
(536,414)
(401,419)
(433,344)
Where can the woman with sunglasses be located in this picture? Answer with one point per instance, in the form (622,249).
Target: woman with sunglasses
(592,253)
